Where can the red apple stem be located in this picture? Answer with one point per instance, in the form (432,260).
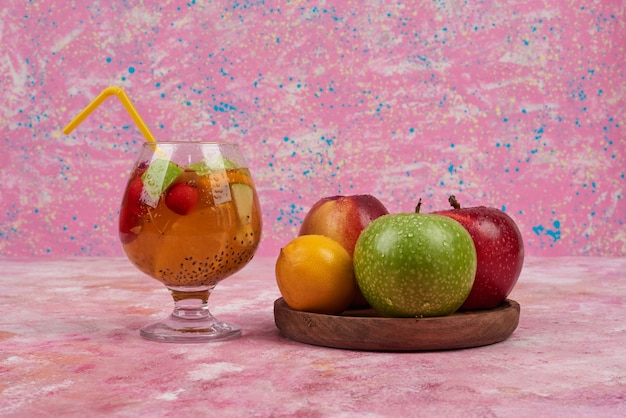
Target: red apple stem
(453,202)
(419,205)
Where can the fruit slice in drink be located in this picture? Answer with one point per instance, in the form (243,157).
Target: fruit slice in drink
(157,178)
(243,199)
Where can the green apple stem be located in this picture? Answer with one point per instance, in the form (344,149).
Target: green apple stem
(453,202)
(419,205)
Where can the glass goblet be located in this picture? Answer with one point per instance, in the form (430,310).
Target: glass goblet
(190,218)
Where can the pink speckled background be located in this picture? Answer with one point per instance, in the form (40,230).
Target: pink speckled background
(513,104)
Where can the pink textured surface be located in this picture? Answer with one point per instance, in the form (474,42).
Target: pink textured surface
(70,346)
(516,105)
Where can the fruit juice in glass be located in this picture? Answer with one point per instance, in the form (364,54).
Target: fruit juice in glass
(190,226)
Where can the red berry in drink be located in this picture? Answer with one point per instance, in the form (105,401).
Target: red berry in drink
(133,209)
(129,224)
(134,202)
(182,198)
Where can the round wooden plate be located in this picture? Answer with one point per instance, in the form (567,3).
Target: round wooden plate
(364,330)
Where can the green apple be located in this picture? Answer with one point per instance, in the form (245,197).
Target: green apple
(415,265)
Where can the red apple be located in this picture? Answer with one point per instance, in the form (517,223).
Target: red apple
(499,250)
(342,218)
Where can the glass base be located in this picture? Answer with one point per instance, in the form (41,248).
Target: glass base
(177,330)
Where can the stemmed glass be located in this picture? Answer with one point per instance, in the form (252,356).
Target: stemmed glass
(190,218)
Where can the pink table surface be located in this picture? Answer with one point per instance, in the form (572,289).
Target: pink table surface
(69,346)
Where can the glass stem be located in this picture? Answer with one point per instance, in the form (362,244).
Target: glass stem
(191,304)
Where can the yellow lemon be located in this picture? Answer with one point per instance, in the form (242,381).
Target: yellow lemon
(314,273)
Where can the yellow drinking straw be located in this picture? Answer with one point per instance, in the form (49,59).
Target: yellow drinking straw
(110,91)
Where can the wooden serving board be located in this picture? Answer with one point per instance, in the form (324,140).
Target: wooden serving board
(364,330)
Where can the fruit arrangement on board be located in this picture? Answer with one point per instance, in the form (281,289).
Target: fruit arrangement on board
(351,253)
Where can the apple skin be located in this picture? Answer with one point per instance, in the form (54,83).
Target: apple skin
(415,265)
(499,251)
(343,218)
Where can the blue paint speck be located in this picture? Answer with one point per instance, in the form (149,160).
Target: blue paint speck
(538,229)
(556,235)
